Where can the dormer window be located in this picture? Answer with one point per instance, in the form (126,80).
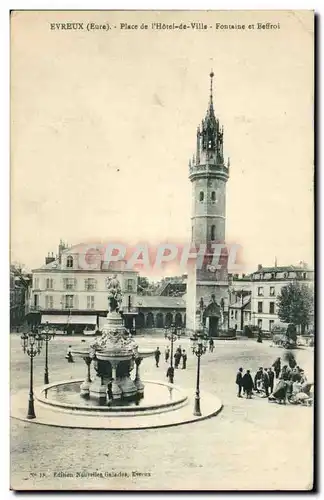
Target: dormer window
(69,261)
(201,196)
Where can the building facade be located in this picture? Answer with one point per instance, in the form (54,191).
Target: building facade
(261,289)
(207,288)
(267,283)
(74,297)
(158,311)
(20,285)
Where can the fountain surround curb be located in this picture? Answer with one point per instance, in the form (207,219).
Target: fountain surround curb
(115,411)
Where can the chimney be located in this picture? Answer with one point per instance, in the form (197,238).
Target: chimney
(49,258)
(61,247)
(259,267)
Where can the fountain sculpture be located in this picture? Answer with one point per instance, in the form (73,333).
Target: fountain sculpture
(114,356)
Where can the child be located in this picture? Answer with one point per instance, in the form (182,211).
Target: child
(69,356)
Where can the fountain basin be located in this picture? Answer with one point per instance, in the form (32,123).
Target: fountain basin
(159,397)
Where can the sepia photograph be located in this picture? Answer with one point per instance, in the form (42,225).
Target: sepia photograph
(162,270)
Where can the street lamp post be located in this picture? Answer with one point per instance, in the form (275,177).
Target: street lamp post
(47,335)
(172,336)
(32,345)
(199,346)
(242,312)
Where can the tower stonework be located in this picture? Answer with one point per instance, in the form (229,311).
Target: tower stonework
(207,287)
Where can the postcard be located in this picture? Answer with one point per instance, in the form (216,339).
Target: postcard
(162,273)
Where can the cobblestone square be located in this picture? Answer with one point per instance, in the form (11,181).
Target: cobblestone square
(251,444)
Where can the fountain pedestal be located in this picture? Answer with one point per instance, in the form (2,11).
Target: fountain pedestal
(114,355)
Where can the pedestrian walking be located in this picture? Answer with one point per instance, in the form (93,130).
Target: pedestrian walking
(239,382)
(184,360)
(271,379)
(247,383)
(177,358)
(167,354)
(157,355)
(69,356)
(211,344)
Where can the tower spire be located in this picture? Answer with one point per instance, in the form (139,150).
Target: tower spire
(211,88)
(210,110)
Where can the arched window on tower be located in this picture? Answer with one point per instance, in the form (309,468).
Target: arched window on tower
(212,233)
(201,196)
(69,261)
(213,196)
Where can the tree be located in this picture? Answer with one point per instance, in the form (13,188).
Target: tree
(295,304)
(142,285)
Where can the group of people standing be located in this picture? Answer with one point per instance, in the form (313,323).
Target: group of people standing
(263,382)
(179,355)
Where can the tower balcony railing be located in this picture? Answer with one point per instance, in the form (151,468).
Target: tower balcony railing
(209,167)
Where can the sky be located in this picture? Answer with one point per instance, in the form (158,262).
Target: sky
(103,124)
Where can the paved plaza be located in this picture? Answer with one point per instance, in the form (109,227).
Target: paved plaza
(251,444)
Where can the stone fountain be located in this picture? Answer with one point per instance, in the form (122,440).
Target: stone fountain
(114,356)
(99,403)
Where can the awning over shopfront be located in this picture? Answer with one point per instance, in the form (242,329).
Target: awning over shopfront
(68,320)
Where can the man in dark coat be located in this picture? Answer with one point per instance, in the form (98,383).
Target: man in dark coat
(266,382)
(258,376)
(157,356)
(167,354)
(239,382)
(247,383)
(271,379)
(177,357)
(184,360)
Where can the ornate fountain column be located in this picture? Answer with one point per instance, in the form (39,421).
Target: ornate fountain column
(115,389)
(137,381)
(97,388)
(85,386)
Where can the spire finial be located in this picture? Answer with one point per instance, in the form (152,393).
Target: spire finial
(211,85)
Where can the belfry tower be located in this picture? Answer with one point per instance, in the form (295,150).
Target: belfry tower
(207,287)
